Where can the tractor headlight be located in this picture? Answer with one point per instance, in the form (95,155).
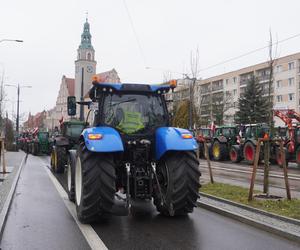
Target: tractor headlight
(95,136)
(186,136)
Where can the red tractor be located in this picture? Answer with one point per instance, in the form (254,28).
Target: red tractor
(292,141)
(204,135)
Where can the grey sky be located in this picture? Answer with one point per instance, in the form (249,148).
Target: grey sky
(168,30)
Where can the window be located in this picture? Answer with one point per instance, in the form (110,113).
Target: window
(291,65)
(227,81)
(234,92)
(291,97)
(278,84)
(279,68)
(279,98)
(234,79)
(291,81)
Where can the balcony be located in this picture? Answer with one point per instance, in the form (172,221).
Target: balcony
(217,89)
(263,78)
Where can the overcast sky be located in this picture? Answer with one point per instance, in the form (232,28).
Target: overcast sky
(167,30)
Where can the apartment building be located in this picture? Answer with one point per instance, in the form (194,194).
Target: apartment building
(224,90)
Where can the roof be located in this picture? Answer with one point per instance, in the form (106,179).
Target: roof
(70,82)
(106,76)
(131,87)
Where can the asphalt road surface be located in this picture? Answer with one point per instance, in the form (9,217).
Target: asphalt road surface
(38,219)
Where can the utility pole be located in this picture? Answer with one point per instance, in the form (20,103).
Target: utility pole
(18,110)
(81,96)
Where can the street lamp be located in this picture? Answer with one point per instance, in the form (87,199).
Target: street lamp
(11,40)
(18,101)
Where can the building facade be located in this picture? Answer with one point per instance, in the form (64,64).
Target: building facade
(223,91)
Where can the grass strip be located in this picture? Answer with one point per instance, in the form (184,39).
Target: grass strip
(239,194)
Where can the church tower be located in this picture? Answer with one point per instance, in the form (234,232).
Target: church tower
(85,65)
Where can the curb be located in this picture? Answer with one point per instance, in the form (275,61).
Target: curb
(252,222)
(252,209)
(6,206)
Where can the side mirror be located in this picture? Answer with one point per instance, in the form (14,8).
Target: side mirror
(71,105)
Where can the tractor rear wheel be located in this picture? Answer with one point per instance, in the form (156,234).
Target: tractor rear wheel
(249,152)
(71,175)
(95,184)
(235,154)
(219,151)
(178,176)
(58,159)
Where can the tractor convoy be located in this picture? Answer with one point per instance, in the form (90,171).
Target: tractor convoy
(129,153)
(237,143)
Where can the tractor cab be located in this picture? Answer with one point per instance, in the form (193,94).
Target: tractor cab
(255,131)
(131,153)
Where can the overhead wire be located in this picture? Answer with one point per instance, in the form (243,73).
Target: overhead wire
(233,58)
(135,34)
(248,53)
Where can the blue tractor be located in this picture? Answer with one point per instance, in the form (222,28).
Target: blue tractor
(131,153)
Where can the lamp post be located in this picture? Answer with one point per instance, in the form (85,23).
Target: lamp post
(18,102)
(11,40)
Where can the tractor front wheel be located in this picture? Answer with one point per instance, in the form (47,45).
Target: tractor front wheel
(298,156)
(178,176)
(235,154)
(58,159)
(249,152)
(95,184)
(219,151)
(71,175)
(279,157)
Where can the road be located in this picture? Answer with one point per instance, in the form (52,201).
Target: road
(38,219)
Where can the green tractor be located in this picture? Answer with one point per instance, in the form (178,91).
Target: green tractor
(40,144)
(246,143)
(224,138)
(67,140)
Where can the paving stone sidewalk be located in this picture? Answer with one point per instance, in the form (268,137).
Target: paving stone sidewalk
(13,161)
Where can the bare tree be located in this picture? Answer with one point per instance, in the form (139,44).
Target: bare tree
(220,104)
(195,74)
(271,64)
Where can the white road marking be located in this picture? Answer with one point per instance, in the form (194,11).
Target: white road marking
(88,232)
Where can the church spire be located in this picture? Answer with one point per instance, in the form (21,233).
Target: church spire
(86,37)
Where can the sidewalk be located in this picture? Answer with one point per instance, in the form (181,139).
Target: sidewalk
(13,162)
(38,218)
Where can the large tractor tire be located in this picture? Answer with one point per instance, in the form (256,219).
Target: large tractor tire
(210,153)
(35,149)
(219,151)
(58,159)
(235,154)
(71,175)
(298,156)
(95,184)
(178,175)
(201,150)
(279,159)
(249,152)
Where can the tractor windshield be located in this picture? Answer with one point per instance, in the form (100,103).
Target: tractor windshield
(43,136)
(134,113)
(229,132)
